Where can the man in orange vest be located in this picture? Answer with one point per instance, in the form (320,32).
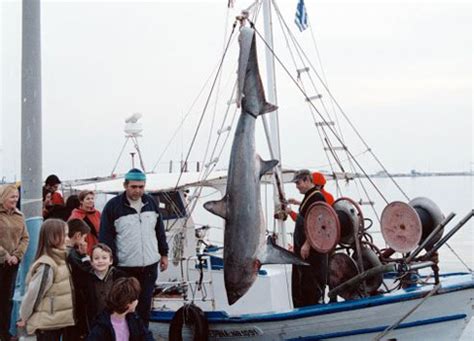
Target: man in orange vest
(319,181)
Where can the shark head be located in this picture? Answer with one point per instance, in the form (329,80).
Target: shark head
(239,281)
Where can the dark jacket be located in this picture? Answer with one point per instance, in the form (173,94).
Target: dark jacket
(308,282)
(134,237)
(96,291)
(80,266)
(102,330)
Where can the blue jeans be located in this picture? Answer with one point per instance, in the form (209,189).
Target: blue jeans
(147,276)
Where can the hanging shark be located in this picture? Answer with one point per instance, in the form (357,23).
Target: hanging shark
(245,245)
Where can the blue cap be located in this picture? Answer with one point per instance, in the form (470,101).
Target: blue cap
(135,174)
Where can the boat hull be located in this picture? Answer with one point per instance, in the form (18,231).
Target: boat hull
(442,316)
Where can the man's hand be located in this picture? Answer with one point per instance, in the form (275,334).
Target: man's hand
(163,263)
(21,324)
(294,201)
(82,248)
(305,250)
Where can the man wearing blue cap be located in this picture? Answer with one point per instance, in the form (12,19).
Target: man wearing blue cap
(132,226)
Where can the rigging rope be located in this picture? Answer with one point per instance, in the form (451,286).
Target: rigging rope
(320,115)
(326,139)
(207,102)
(459,257)
(352,125)
(212,165)
(175,133)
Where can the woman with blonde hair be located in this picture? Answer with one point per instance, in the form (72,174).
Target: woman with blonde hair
(14,240)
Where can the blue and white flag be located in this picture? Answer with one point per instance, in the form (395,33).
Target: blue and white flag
(301,17)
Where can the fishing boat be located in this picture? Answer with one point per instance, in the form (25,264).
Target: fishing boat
(392,293)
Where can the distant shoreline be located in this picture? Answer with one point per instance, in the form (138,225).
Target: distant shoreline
(414,174)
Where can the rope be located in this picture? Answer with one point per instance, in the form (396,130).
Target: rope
(326,139)
(287,32)
(353,127)
(459,257)
(197,192)
(120,155)
(207,102)
(320,115)
(175,133)
(411,311)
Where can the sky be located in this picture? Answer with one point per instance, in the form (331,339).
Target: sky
(401,70)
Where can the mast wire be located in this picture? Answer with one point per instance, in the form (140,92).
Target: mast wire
(326,139)
(319,113)
(348,121)
(207,103)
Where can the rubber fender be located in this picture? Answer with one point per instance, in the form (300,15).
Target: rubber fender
(190,315)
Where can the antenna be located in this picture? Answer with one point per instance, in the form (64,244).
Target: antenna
(132,130)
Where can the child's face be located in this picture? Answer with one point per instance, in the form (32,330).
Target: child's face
(101,260)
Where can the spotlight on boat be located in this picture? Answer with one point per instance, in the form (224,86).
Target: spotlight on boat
(132,127)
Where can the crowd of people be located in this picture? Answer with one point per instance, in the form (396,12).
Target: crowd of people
(93,274)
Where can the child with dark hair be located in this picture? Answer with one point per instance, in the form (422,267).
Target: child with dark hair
(80,265)
(119,321)
(100,280)
(51,184)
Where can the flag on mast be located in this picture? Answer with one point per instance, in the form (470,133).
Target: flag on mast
(301,17)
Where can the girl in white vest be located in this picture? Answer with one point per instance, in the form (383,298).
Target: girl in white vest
(47,308)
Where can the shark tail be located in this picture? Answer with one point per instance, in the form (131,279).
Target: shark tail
(274,254)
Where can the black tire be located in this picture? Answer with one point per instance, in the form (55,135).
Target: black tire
(190,315)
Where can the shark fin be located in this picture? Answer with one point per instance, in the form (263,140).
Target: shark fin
(266,166)
(218,207)
(274,254)
(254,110)
(268,107)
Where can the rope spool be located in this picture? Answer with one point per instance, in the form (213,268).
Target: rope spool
(404,226)
(431,216)
(350,218)
(322,227)
(371,260)
(341,269)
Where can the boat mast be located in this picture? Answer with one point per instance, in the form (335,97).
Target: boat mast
(270,122)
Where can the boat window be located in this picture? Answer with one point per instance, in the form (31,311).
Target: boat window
(171,205)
